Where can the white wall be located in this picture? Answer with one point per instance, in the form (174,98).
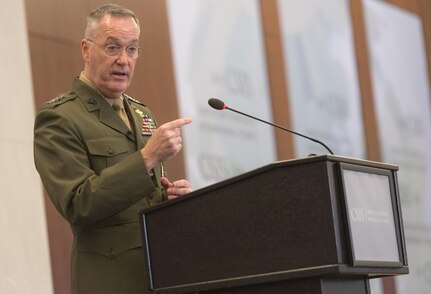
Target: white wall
(24,253)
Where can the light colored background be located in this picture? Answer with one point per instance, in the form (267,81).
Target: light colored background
(324,88)
(401,87)
(24,255)
(221,57)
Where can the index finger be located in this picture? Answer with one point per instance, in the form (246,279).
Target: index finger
(178,122)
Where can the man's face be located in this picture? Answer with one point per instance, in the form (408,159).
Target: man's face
(111,74)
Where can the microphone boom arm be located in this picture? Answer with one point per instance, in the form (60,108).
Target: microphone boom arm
(282,128)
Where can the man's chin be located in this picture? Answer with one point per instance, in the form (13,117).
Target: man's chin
(119,87)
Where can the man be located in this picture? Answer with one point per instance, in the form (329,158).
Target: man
(100,165)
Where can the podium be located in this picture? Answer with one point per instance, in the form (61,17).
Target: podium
(323,224)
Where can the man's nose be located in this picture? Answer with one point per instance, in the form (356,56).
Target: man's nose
(122,57)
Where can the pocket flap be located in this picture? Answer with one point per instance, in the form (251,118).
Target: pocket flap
(107,146)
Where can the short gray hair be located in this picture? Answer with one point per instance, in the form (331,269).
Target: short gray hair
(97,14)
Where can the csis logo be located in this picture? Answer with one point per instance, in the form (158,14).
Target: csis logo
(358,214)
(236,82)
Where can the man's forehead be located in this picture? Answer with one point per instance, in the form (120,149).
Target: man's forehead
(121,23)
(118,29)
(109,19)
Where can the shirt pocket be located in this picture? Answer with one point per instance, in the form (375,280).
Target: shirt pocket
(105,152)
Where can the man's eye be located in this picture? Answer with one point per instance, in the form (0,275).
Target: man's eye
(112,48)
(132,50)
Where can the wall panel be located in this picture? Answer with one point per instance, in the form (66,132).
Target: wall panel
(24,255)
(410,5)
(54,64)
(60,20)
(425,13)
(362,61)
(277,77)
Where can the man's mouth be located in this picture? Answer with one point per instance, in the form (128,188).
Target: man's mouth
(119,73)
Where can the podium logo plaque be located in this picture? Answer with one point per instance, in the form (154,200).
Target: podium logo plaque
(371,208)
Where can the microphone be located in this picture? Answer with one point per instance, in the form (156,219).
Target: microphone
(220,105)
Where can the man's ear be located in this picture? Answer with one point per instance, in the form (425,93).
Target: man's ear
(85,50)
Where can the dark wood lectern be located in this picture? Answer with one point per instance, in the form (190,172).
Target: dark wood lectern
(324,224)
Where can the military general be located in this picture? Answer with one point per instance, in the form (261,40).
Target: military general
(100,156)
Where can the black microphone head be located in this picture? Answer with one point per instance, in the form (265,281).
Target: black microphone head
(216,104)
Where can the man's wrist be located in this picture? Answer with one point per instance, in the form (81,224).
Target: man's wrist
(149,162)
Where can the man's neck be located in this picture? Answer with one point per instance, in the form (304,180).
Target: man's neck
(84,78)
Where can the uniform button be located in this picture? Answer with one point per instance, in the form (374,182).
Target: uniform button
(92,101)
(129,132)
(111,151)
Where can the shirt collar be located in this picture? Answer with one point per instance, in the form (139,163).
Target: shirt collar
(83,78)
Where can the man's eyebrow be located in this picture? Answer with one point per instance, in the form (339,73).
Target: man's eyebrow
(118,40)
